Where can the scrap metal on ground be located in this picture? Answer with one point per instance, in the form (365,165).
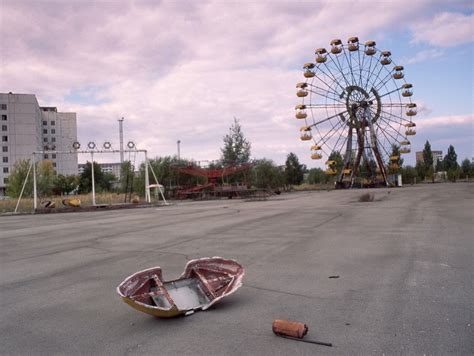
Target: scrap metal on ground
(204,282)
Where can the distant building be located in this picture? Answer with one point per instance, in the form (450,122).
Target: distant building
(437,156)
(26,127)
(113,168)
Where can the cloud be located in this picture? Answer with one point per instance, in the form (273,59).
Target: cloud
(423,56)
(441,121)
(181,70)
(446,29)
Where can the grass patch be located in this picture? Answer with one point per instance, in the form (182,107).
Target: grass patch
(26,204)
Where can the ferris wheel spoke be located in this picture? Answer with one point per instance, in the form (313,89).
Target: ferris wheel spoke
(384,81)
(327,119)
(377,77)
(388,124)
(393,105)
(327,137)
(330,90)
(324,93)
(334,148)
(370,73)
(390,92)
(393,115)
(341,70)
(316,106)
(332,75)
(384,132)
(329,87)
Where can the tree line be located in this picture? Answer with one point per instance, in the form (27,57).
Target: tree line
(236,150)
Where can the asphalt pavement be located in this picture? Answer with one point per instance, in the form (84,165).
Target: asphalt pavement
(403,264)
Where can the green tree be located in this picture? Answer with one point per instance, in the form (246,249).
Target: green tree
(45,178)
(17,178)
(465,168)
(65,184)
(420,171)
(450,161)
(165,169)
(294,171)
(103,181)
(267,175)
(126,176)
(409,174)
(451,165)
(428,161)
(236,148)
(316,176)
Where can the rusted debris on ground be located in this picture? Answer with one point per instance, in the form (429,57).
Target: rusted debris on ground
(204,282)
(293,330)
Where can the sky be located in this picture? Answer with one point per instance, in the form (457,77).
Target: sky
(182,70)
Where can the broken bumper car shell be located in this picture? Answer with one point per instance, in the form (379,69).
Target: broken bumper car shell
(203,282)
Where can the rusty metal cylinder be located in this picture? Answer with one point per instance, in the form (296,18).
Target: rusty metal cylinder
(289,328)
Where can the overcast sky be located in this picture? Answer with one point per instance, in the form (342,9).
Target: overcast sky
(182,70)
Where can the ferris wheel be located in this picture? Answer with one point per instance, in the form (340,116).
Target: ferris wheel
(358,112)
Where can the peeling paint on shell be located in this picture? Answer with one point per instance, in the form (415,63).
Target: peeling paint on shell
(204,282)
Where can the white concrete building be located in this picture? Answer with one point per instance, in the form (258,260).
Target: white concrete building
(26,127)
(113,168)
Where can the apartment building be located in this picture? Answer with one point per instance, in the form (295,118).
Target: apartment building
(26,127)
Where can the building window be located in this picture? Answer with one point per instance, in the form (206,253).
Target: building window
(5,169)
(53,156)
(4,127)
(45,131)
(53,139)
(45,123)
(54,164)
(53,123)
(45,139)
(4,117)
(3,106)
(5,180)
(4,138)
(53,131)
(5,159)
(5,149)
(45,156)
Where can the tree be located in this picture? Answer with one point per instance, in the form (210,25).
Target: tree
(103,182)
(126,176)
(236,148)
(267,175)
(450,161)
(451,165)
(294,171)
(17,178)
(428,161)
(165,170)
(316,176)
(45,178)
(420,170)
(409,174)
(466,168)
(65,184)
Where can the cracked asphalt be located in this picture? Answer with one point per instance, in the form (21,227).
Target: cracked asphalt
(405,265)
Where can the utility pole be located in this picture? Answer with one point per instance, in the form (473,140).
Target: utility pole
(179,153)
(121,138)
